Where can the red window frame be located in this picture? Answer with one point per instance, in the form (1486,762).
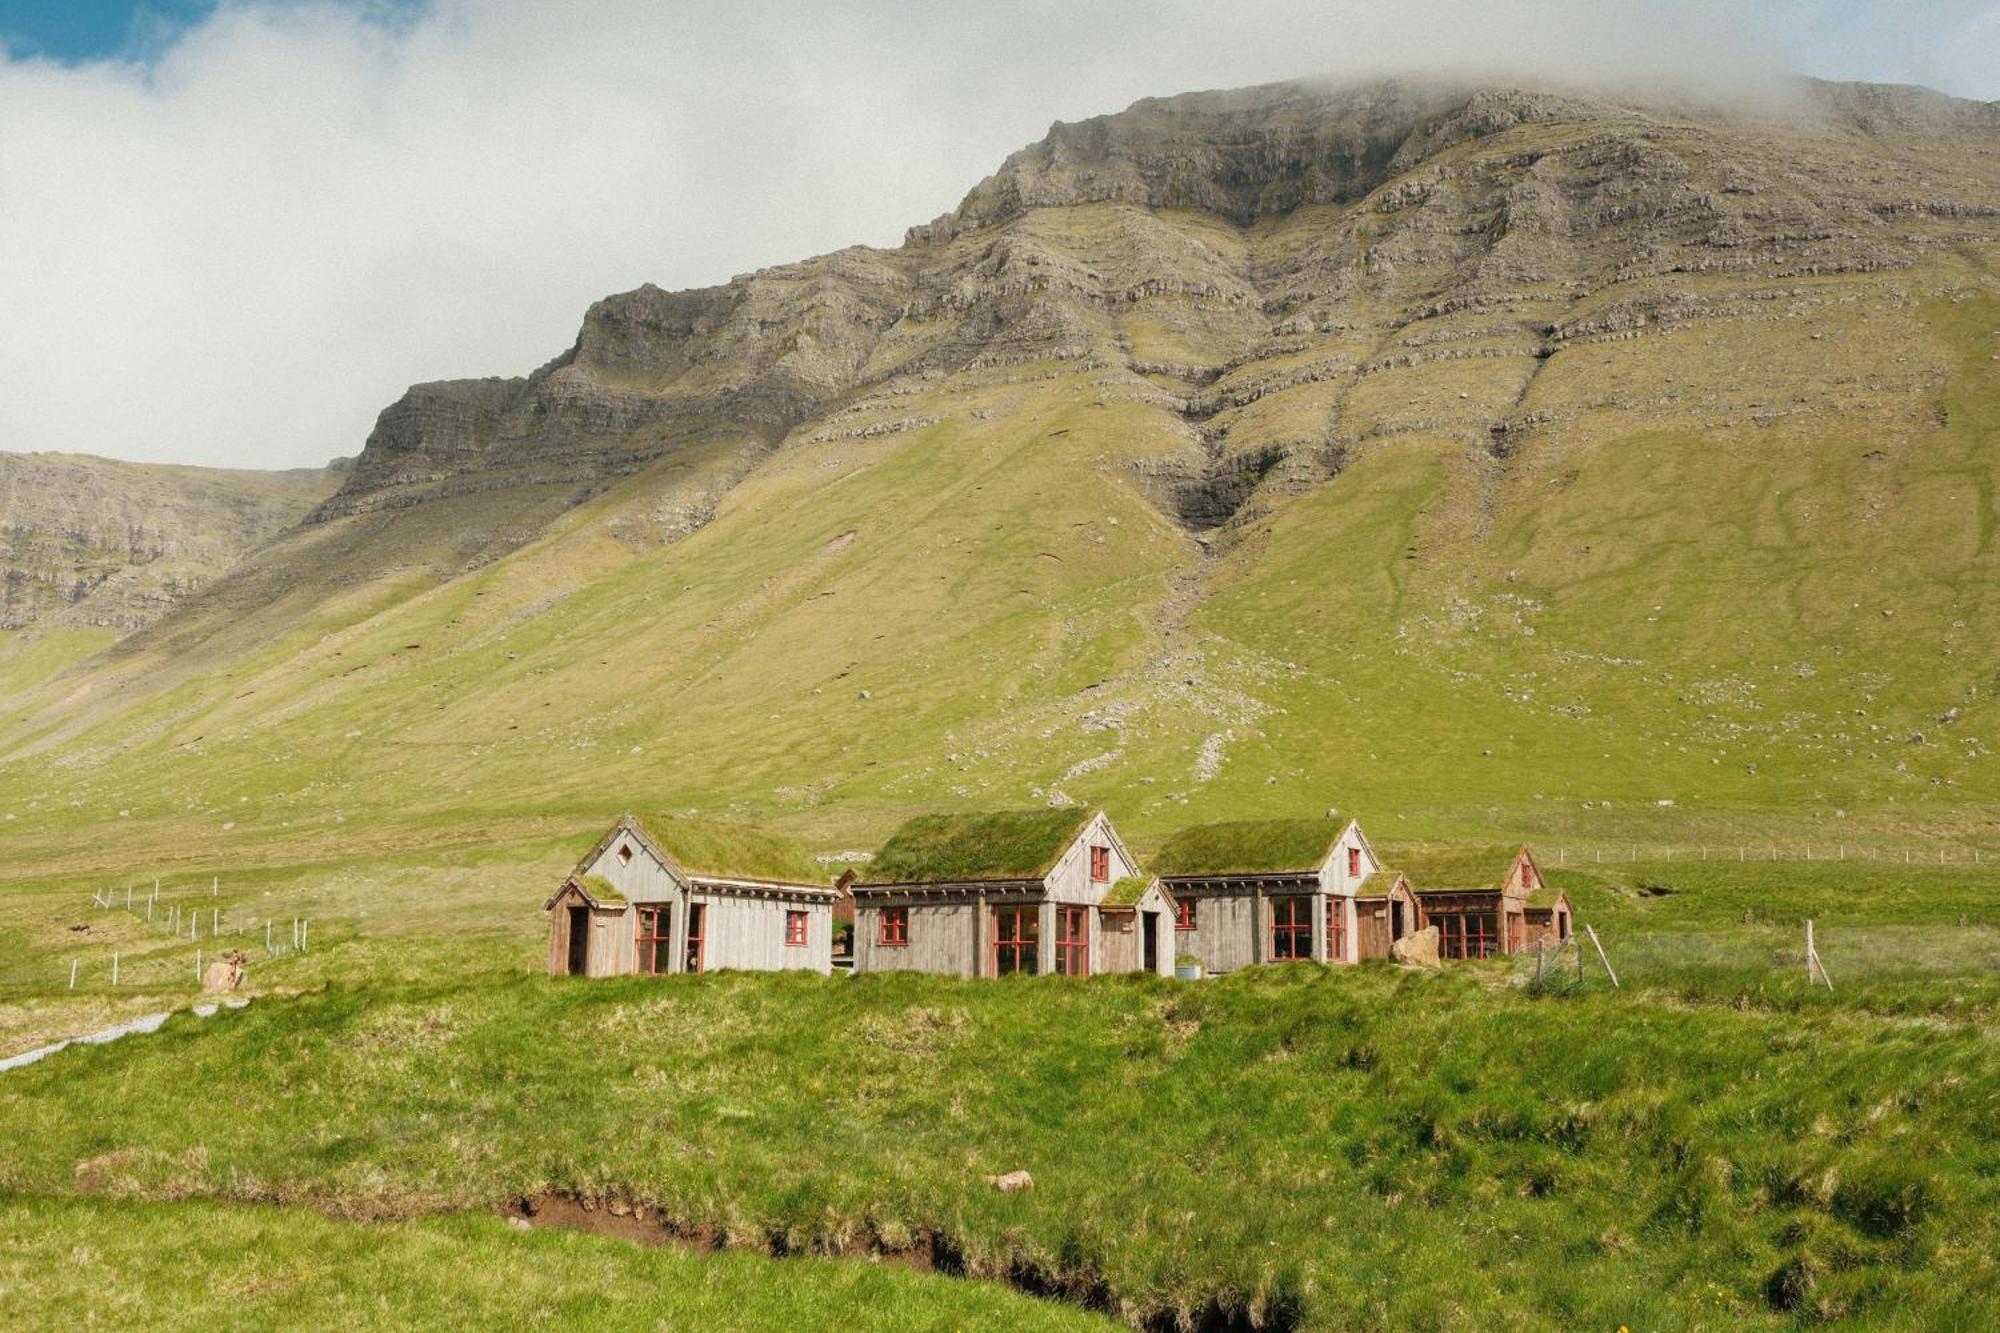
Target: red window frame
(1291,927)
(1100,864)
(1336,930)
(655,946)
(892,927)
(1073,941)
(1184,914)
(1017,934)
(1354,863)
(795,928)
(1466,934)
(697,940)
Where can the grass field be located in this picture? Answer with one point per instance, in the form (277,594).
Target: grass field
(1716,1144)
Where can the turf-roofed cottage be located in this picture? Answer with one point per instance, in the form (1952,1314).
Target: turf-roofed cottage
(1485,904)
(676,895)
(1266,890)
(984,895)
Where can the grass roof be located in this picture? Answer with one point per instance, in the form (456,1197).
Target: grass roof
(1455,865)
(600,890)
(733,851)
(1248,846)
(1000,844)
(1127,891)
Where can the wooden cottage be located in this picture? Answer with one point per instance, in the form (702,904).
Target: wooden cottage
(676,895)
(1030,891)
(1478,913)
(1267,890)
(1386,913)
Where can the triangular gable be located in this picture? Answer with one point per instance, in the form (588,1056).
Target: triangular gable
(576,887)
(1099,816)
(1523,874)
(628,826)
(1354,827)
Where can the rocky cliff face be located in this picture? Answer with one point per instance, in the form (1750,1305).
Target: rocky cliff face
(95,543)
(1363,229)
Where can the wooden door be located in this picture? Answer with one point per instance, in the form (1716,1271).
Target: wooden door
(1149,951)
(579,941)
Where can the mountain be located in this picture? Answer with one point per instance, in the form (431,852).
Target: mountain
(1470,457)
(91,543)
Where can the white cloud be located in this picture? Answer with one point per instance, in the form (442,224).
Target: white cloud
(240,252)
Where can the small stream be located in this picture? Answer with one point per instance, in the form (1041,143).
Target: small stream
(141,1024)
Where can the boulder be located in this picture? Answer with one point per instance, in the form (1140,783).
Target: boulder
(1013,1182)
(226,972)
(1417,950)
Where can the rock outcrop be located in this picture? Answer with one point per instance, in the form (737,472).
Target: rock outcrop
(96,543)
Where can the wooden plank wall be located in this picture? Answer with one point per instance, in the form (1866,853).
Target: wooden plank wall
(941,939)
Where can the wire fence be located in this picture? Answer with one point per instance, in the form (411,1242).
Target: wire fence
(212,930)
(1629,853)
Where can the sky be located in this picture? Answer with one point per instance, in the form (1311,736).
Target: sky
(232,231)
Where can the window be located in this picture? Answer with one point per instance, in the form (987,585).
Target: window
(892,926)
(624,853)
(1354,863)
(656,947)
(1184,917)
(1291,928)
(697,921)
(1336,930)
(1016,933)
(1466,935)
(1073,941)
(795,929)
(1100,864)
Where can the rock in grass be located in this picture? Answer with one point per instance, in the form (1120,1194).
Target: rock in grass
(1418,949)
(1012,1183)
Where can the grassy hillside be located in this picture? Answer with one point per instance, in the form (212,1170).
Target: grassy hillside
(1292,1147)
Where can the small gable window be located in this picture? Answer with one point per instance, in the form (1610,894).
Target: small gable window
(795,929)
(1184,914)
(1100,864)
(624,853)
(1354,863)
(893,926)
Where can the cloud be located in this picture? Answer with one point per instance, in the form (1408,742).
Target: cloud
(237,250)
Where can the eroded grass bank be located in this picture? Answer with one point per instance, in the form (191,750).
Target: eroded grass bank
(1290,1146)
(199,1265)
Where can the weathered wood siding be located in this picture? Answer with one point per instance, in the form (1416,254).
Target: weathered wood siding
(747,934)
(1119,943)
(1226,932)
(943,937)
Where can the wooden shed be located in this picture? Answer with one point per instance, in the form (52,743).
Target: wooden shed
(1266,890)
(680,895)
(1550,916)
(1387,912)
(1004,892)
(1478,900)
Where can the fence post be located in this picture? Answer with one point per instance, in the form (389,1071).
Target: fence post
(197,967)
(114,969)
(1596,944)
(1815,969)
(267,937)
(72,974)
